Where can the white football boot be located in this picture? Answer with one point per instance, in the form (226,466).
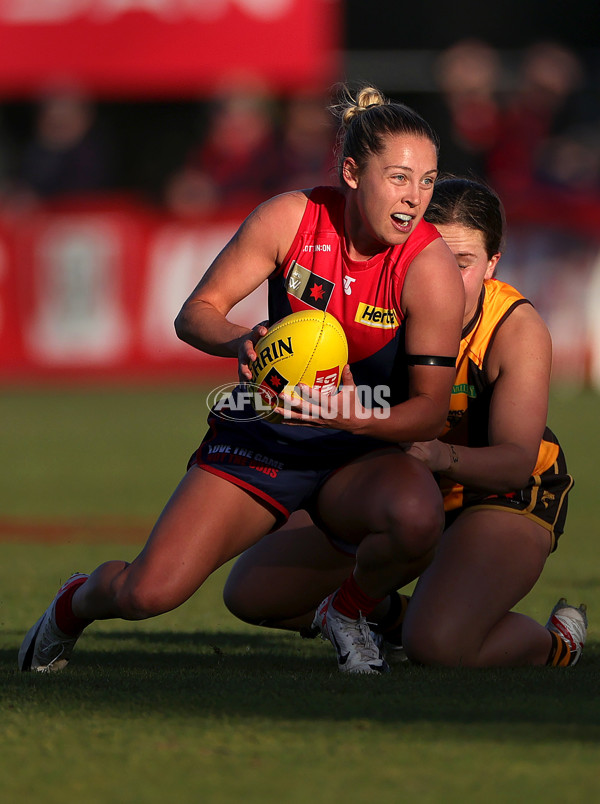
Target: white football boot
(45,647)
(570,623)
(357,651)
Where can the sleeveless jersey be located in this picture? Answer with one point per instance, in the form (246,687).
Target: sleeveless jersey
(364,295)
(472,391)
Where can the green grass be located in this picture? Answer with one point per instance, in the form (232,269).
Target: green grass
(196,706)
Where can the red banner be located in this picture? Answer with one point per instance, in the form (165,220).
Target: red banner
(180,48)
(90,290)
(93,293)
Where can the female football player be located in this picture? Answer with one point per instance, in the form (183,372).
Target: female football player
(502,473)
(366,237)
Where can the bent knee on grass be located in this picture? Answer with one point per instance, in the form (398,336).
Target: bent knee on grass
(441,644)
(242,605)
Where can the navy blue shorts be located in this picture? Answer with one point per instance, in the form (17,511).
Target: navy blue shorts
(283,466)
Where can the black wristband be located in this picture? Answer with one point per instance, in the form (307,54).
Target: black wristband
(431,360)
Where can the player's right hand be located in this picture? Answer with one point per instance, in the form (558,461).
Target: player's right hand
(246,353)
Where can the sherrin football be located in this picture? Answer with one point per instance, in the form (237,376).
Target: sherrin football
(308,347)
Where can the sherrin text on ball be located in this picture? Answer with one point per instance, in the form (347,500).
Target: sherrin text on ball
(307,347)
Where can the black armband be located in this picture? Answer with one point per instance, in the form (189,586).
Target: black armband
(431,360)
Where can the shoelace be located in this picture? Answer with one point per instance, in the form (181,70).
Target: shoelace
(363,638)
(56,658)
(49,645)
(49,640)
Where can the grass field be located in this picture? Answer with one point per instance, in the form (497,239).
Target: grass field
(197,707)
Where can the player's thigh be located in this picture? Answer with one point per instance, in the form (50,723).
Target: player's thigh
(206,522)
(286,574)
(379,492)
(485,563)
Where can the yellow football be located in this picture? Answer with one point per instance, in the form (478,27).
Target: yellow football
(308,347)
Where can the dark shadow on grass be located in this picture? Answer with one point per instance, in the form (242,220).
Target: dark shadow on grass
(270,674)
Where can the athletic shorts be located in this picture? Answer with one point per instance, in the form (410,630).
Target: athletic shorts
(544,500)
(284,472)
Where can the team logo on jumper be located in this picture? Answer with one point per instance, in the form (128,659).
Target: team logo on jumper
(379,317)
(310,288)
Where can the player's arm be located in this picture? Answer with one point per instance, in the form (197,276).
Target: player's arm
(245,262)
(520,360)
(433,305)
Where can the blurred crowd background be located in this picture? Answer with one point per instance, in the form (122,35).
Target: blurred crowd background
(525,121)
(514,98)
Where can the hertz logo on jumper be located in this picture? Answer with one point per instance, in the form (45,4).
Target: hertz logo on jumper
(378,317)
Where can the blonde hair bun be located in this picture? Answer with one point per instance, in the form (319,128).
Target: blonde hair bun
(366,97)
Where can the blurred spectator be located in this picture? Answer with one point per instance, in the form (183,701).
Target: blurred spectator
(571,160)
(236,164)
(466,113)
(307,144)
(68,153)
(540,108)
(7,157)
